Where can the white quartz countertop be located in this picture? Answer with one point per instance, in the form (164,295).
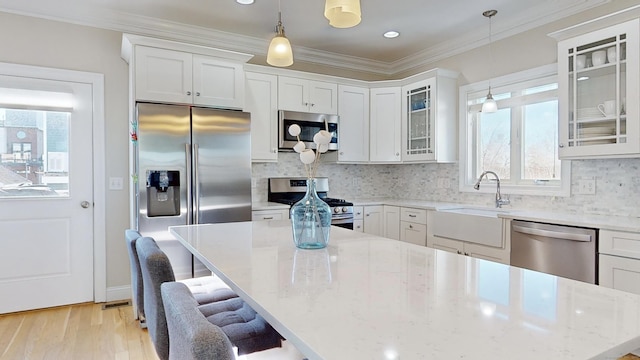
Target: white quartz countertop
(618,223)
(367,297)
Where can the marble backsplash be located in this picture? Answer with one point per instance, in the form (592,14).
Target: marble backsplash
(617,184)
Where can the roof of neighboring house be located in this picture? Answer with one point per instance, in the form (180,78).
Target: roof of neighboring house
(7,176)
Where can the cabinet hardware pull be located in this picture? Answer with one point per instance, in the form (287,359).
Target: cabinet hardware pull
(561,145)
(312,104)
(410,226)
(189,93)
(410,215)
(459,252)
(268,217)
(198,93)
(467,254)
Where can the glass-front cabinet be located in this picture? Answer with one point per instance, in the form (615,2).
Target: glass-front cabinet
(598,80)
(429,118)
(418,138)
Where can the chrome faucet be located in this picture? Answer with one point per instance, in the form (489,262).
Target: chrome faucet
(499,200)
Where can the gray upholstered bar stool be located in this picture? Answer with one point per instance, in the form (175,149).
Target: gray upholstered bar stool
(205,289)
(245,328)
(191,336)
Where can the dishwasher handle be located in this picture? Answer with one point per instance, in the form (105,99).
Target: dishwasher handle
(552,234)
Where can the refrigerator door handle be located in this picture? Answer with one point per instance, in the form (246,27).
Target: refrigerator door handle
(189,180)
(196,185)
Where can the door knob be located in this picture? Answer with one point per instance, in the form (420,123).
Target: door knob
(85,204)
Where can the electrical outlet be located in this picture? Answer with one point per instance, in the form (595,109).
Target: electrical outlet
(115,183)
(586,187)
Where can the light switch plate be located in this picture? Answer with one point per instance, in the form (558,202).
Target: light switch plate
(586,187)
(115,183)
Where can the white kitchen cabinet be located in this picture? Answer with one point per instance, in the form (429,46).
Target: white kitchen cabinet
(260,215)
(619,260)
(372,220)
(261,100)
(619,273)
(353,109)
(385,125)
(428,122)
(598,79)
(413,226)
(296,94)
(358,218)
(180,77)
(391,222)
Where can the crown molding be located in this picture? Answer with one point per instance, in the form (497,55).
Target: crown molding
(502,29)
(547,12)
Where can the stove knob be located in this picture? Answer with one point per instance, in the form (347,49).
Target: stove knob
(336,210)
(344,209)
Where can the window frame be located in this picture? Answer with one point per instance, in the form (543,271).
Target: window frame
(467,136)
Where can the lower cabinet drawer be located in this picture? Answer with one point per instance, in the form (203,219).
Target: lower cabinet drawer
(418,216)
(358,225)
(619,243)
(259,215)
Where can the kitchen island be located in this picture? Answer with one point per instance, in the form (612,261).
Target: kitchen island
(367,297)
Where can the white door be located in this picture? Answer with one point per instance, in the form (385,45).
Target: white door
(46,193)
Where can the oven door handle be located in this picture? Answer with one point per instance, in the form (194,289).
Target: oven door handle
(341,220)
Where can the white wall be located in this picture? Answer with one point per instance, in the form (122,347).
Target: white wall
(32,41)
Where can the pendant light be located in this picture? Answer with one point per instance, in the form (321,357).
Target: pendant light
(490,105)
(343,13)
(280,53)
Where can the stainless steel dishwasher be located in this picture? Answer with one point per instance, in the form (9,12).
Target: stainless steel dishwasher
(565,251)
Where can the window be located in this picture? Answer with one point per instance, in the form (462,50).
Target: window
(34,157)
(519,141)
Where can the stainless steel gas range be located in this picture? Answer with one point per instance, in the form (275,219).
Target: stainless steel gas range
(291,190)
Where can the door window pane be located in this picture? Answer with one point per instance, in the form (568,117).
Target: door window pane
(34,155)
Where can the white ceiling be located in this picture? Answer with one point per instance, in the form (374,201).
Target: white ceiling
(429,28)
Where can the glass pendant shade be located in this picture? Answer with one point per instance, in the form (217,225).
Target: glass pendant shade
(280,53)
(343,13)
(489,105)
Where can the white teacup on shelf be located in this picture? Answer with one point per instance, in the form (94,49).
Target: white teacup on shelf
(608,108)
(612,54)
(581,61)
(599,57)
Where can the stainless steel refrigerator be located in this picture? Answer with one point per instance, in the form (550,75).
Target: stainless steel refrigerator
(193,167)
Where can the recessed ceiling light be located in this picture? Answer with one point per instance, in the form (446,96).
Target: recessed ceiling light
(245,2)
(391,34)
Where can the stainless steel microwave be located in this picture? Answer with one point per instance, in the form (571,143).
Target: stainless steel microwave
(310,124)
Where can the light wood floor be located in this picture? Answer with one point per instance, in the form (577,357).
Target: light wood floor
(83,331)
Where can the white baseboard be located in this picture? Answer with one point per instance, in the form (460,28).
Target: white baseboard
(118,293)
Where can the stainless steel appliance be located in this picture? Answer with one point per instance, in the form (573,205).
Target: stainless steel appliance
(193,167)
(310,124)
(565,251)
(291,190)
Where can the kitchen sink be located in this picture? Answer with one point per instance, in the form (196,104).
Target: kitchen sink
(489,212)
(470,224)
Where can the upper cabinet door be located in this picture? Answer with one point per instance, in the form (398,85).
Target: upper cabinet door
(598,79)
(293,94)
(353,110)
(262,102)
(418,123)
(323,97)
(217,82)
(385,127)
(163,75)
